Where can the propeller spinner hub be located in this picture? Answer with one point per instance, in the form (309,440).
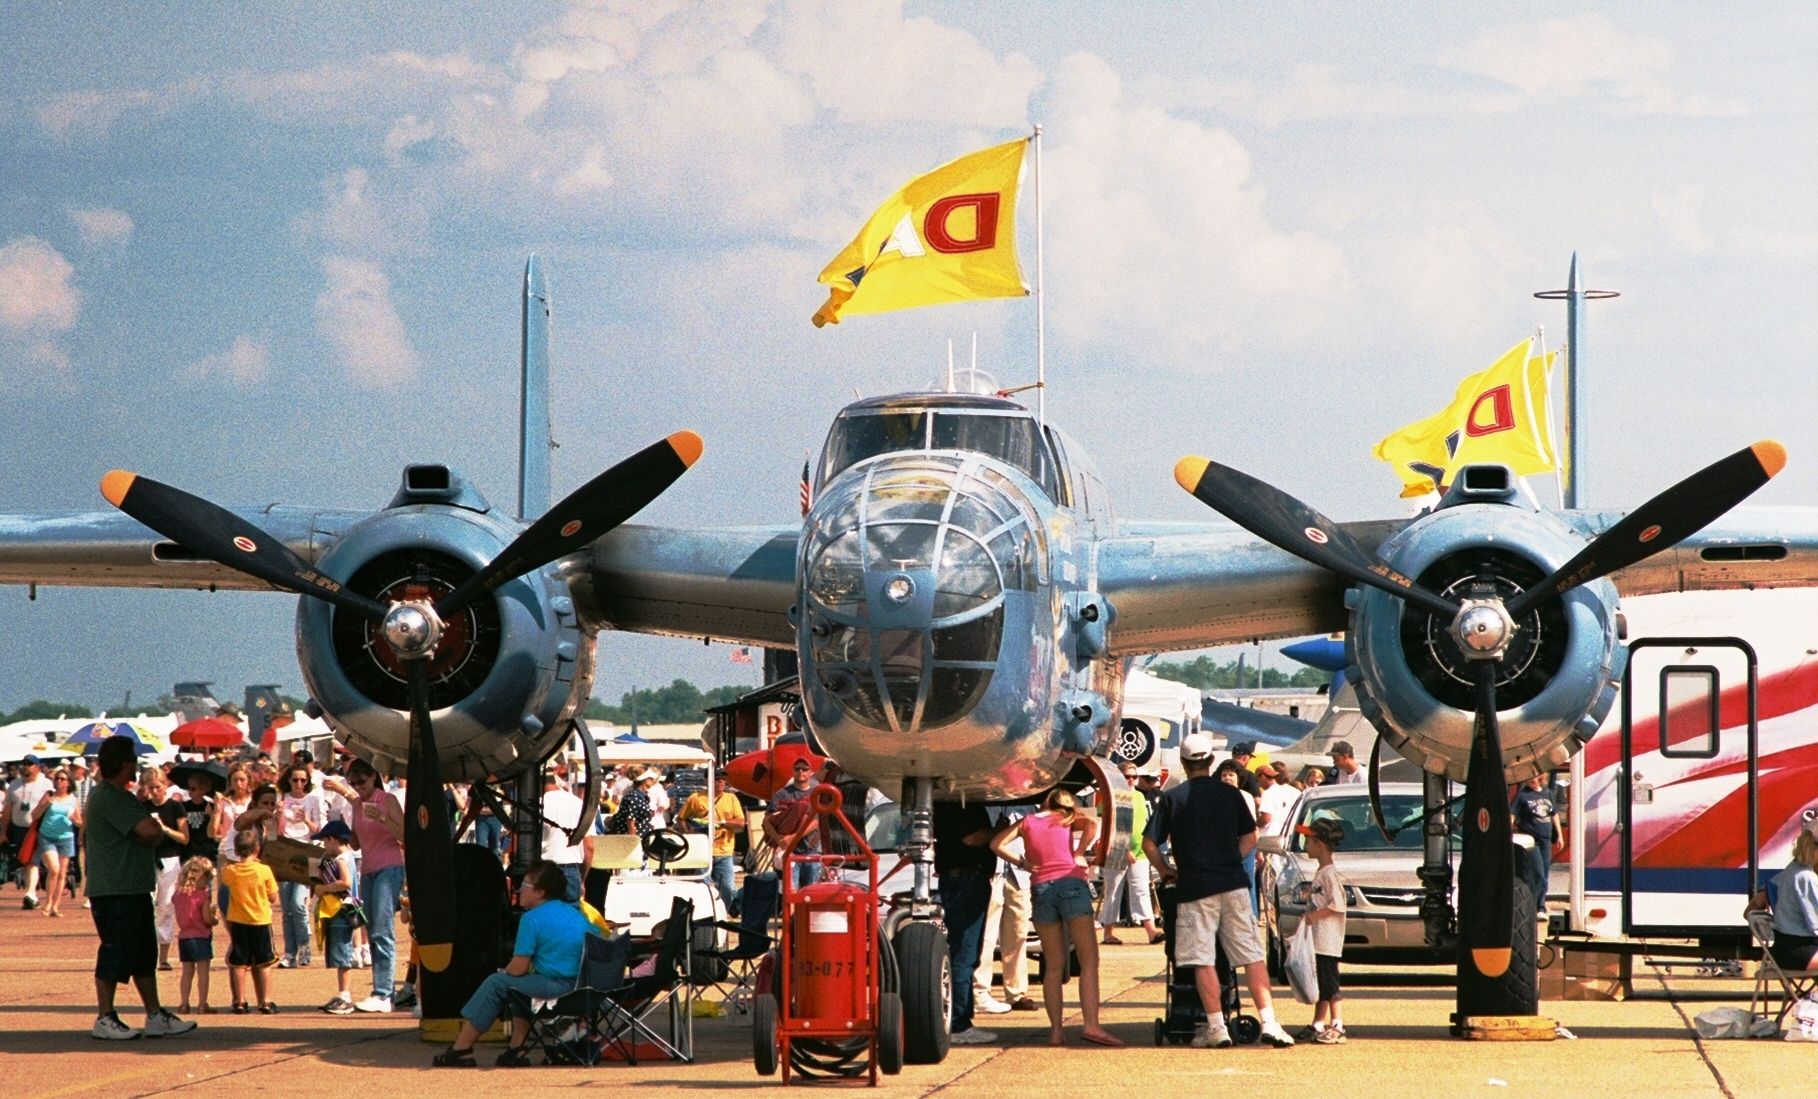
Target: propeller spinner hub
(1483,629)
(412,629)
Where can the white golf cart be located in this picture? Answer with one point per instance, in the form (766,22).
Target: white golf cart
(649,874)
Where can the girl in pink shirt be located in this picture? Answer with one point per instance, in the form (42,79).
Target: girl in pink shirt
(197,916)
(1055,843)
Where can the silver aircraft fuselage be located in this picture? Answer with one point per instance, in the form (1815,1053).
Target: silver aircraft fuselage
(946,622)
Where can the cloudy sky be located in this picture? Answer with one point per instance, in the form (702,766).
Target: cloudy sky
(272,254)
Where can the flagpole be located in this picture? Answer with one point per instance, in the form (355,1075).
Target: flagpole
(1041,320)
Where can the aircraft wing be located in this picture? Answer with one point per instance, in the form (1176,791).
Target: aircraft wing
(730,584)
(1178,588)
(109,549)
(1174,587)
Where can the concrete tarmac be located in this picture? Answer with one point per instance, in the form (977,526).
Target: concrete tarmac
(1396,1018)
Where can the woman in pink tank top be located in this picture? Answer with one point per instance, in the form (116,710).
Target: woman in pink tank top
(1054,846)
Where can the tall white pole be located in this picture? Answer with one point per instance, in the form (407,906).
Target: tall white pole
(1041,319)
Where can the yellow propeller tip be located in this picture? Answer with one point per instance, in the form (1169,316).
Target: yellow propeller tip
(116,484)
(1189,470)
(1771,455)
(1491,961)
(687,446)
(435,956)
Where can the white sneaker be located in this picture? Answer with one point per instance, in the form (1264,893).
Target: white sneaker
(1207,1038)
(990,1005)
(973,1036)
(373,1003)
(109,1028)
(1273,1034)
(162,1024)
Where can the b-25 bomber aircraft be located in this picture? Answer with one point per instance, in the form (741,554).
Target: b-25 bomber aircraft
(963,600)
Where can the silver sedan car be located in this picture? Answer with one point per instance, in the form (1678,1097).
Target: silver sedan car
(1382,921)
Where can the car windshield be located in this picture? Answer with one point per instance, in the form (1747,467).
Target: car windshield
(1401,811)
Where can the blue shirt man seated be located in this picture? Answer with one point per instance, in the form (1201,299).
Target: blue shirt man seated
(543,966)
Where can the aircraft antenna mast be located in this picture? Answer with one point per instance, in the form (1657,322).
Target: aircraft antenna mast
(1574,297)
(534,435)
(1041,318)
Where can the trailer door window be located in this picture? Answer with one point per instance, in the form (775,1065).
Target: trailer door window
(1689,696)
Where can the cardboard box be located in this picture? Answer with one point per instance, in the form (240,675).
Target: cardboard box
(1596,964)
(1596,988)
(294,861)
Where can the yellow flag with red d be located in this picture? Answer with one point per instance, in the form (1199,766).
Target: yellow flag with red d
(946,236)
(1498,415)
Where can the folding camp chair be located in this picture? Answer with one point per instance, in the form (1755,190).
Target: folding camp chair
(737,967)
(572,1029)
(1771,980)
(665,988)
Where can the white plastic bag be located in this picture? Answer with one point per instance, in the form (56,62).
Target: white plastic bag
(1802,1021)
(1303,976)
(1723,1022)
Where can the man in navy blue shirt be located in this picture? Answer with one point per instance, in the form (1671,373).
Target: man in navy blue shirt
(1210,829)
(1534,814)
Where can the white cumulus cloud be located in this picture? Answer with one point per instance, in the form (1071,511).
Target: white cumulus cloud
(37,291)
(245,362)
(1156,225)
(355,314)
(101,226)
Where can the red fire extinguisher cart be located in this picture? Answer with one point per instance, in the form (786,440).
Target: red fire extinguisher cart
(825,1007)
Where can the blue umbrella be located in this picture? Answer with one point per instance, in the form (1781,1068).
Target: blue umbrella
(90,736)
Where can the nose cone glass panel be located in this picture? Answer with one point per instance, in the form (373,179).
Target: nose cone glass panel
(956,533)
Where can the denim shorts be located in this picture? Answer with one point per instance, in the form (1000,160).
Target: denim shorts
(1061,900)
(62,845)
(195,950)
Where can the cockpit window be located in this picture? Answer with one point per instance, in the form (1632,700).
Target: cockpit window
(1015,440)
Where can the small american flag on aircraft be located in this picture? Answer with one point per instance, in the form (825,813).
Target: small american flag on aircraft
(741,655)
(807,490)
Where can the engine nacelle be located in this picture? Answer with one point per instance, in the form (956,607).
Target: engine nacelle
(509,673)
(1555,684)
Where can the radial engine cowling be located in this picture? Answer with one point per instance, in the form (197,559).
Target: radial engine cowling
(510,670)
(1554,685)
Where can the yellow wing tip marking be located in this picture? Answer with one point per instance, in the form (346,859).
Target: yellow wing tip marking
(1189,470)
(116,483)
(1491,961)
(1771,454)
(435,956)
(687,446)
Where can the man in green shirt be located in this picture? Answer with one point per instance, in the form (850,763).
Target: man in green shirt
(120,838)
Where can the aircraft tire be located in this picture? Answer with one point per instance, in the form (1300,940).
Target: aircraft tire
(926,975)
(1517,991)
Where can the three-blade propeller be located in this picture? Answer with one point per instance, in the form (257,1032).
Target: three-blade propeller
(211,531)
(1482,629)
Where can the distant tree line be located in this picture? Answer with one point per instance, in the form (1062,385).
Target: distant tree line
(679,703)
(1208,674)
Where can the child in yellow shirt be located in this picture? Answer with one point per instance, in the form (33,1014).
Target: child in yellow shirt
(251,889)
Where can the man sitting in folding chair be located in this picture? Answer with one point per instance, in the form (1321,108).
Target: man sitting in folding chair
(544,965)
(1790,935)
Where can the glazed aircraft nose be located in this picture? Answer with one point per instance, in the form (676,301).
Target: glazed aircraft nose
(904,579)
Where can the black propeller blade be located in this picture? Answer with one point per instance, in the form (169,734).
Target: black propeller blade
(1663,522)
(223,537)
(428,843)
(588,512)
(1286,523)
(1486,866)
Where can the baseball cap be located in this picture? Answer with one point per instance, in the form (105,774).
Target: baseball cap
(334,829)
(802,763)
(31,757)
(1328,830)
(1196,746)
(1244,748)
(1341,748)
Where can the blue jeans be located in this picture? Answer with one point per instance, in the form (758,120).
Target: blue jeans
(806,874)
(379,892)
(294,897)
(572,872)
(489,833)
(964,899)
(1255,895)
(722,880)
(493,997)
